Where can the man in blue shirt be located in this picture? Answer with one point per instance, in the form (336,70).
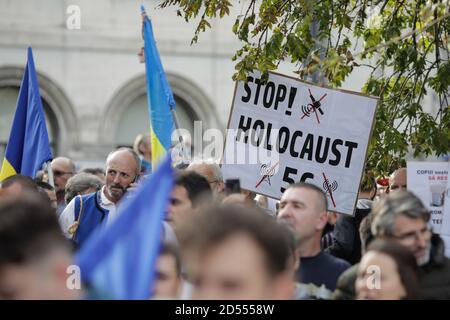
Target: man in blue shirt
(85,213)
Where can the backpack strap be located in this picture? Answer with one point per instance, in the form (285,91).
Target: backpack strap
(74,226)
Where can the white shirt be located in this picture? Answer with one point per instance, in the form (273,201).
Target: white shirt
(67,217)
(169,235)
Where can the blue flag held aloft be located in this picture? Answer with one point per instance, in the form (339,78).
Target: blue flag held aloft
(159,95)
(120,259)
(28,146)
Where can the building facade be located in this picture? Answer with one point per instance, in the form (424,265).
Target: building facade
(91,81)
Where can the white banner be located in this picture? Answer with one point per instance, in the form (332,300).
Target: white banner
(288,131)
(428,181)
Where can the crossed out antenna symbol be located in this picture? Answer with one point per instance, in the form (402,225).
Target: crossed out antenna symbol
(313,106)
(267,173)
(329,187)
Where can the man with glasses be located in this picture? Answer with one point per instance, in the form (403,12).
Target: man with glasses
(63,168)
(402,217)
(397,180)
(212,172)
(85,213)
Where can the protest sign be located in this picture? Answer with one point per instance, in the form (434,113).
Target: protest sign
(286,130)
(428,181)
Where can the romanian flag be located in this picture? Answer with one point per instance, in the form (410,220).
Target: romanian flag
(159,95)
(28,147)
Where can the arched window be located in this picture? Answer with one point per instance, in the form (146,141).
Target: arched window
(135,119)
(127,115)
(62,124)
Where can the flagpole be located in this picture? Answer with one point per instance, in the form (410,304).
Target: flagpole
(51,180)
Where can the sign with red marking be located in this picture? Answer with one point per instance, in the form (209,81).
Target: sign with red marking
(266,175)
(285,131)
(329,188)
(313,106)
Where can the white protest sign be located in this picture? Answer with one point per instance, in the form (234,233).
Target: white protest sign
(286,131)
(428,181)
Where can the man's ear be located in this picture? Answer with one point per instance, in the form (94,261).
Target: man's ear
(323,219)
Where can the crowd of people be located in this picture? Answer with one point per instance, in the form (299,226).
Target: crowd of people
(221,244)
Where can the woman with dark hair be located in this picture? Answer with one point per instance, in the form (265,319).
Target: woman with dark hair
(388,271)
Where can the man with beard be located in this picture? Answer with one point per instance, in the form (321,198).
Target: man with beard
(401,217)
(85,213)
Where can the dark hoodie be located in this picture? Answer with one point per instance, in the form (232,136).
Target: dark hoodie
(435,275)
(346,240)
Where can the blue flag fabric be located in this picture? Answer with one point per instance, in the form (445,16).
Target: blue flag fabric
(28,146)
(120,259)
(159,96)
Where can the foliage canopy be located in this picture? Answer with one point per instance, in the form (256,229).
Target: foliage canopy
(403,45)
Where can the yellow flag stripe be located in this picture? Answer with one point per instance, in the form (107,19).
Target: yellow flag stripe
(158,151)
(7,170)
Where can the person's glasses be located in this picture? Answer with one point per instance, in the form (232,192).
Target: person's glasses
(58,173)
(413,236)
(395,187)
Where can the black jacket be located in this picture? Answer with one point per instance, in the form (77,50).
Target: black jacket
(434,276)
(346,240)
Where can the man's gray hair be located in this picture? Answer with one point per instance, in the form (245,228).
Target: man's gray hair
(393,205)
(214,165)
(80,183)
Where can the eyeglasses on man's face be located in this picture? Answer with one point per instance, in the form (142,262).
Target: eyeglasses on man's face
(58,173)
(414,236)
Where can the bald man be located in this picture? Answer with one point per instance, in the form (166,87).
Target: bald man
(85,213)
(63,168)
(212,172)
(397,180)
(303,207)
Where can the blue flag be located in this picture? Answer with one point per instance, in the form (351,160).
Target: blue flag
(159,96)
(28,147)
(120,259)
